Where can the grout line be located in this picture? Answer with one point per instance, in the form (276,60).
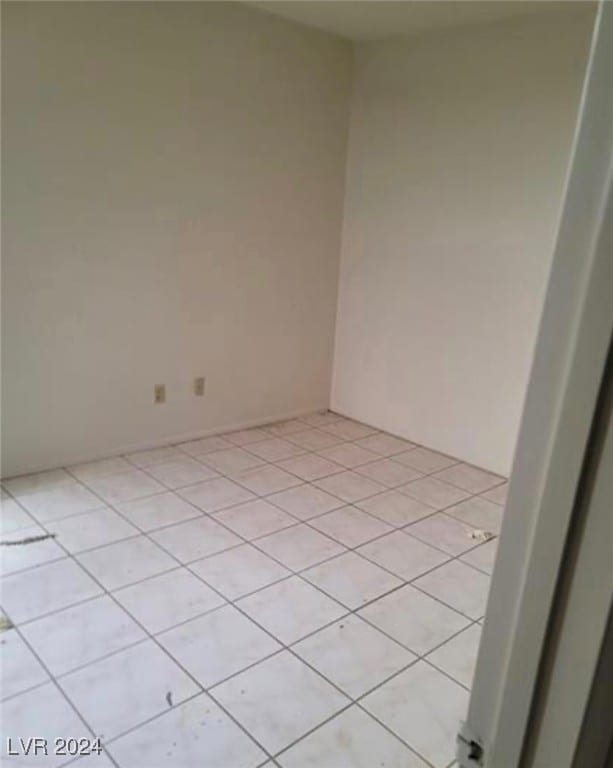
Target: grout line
(230,476)
(294,572)
(52,680)
(252,542)
(299,521)
(284,647)
(318,629)
(151,637)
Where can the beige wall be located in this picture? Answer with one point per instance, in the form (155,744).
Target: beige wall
(172,200)
(173,188)
(459,144)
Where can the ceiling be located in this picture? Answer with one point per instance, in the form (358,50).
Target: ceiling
(376,19)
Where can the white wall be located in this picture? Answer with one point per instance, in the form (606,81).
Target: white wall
(459,143)
(172,200)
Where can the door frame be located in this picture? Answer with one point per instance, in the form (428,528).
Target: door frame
(567,372)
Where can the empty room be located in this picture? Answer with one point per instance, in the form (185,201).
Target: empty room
(273,275)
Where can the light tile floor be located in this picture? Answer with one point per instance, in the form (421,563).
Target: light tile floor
(304,594)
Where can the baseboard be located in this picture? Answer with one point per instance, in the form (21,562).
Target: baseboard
(170,440)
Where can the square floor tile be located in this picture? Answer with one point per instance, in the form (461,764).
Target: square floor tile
(349,430)
(118,565)
(305,501)
(181,472)
(351,579)
(158,511)
(350,740)
(217,645)
(266,479)
(63,501)
(443,532)
(435,493)
(348,455)
(38,591)
(310,466)
(163,601)
(388,472)
(195,539)
(479,513)
(406,704)
(279,700)
(424,460)
(498,494)
(459,586)
(414,619)
(213,495)
(349,486)
(353,655)
(350,526)
(458,656)
(41,712)
(231,460)
(395,508)
(20,669)
(102,468)
(482,557)
(314,439)
(246,436)
(27,548)
(91,529)
(299,547)
(291,609)
(274,449)
(384,445)
(286,427)
(125,689)
(470,478)
(209,738)
(84,633)
(13,517)
(39,481)
(125,486)
(205,445)
(402,555)
(254,519)
(149,458)
(239,571)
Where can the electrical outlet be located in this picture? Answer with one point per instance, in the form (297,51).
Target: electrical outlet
(159,393)
(199,386)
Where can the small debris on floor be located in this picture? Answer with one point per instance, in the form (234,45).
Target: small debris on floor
(480,535)
(169,699)
(28,540)
(5,624)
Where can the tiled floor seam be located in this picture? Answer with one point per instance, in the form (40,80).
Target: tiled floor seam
(231,477)
(283,647)
(211,515)
(169,655)
(342,441)
(292,573)
(289,649)
(353,700)
(52,680)
(298,573)
(187,564)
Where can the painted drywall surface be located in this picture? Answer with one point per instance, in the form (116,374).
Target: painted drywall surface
(459,145)
(172,201)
